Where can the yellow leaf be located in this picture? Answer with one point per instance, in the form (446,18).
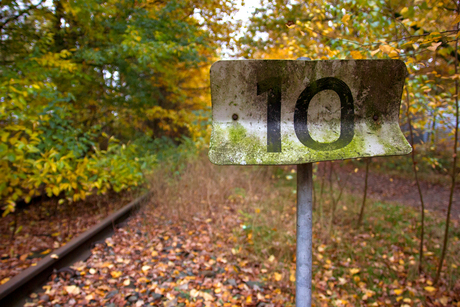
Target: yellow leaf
(249,300)
(4,280)
(354,271)
(456,20)
(385,48)
(345,18)
(434,46)
(404,10)
(399,291)
(277,276)
(356,55)
(46,252)
(375,52)
(430,288)
(115,274)
(56,190)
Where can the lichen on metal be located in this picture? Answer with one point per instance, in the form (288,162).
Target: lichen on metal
(294,112)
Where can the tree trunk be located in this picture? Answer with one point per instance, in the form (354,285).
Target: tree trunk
(454,162)
(361,213)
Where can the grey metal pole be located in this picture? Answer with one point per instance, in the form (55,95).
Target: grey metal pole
(304,235)
(303,273)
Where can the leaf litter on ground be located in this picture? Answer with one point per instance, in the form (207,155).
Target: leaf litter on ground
(226,237)
(156,261)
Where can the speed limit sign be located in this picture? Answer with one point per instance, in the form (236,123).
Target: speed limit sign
(294,112)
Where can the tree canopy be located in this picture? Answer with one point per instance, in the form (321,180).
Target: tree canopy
(79,77)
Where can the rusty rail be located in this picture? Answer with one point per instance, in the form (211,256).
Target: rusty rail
(17,290)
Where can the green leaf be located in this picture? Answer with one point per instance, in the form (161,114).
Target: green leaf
(11,157)
(3,148)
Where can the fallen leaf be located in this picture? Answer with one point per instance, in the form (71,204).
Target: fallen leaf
(399,291)
(72,290)
(354,271)
(46,252)
(444,300)
(145,268)
(430,288)
(116,274)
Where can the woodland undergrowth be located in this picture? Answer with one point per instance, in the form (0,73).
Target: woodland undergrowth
(375,265)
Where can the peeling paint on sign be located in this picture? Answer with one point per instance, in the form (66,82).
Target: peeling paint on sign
(293,112)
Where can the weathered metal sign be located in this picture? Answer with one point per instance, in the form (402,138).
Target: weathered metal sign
(293,112)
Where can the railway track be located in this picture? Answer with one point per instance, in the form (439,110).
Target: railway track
(18,289)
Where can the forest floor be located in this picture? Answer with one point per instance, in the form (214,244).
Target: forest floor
(226,237)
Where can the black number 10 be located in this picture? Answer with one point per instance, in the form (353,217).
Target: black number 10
(347,113)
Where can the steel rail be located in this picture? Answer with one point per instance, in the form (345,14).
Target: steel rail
(18,289)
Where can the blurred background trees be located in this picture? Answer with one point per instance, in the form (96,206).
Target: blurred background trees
(89,89)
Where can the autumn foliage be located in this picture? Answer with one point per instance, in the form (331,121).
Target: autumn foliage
(91,90)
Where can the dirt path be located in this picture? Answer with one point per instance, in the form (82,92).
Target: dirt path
(395,189)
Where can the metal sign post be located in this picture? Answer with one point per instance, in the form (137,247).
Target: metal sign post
(304,232)
(275,112)
(304,235)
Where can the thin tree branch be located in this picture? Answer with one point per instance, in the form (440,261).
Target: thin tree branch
(21,13)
